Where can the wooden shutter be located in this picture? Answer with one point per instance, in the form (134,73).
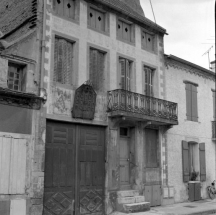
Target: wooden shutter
(4,72)
(194,110)
(69,9)
(144,39)
(122,64)
(128,75)
(188,101)
(93,67)
(92,17)
(185,161)
(149,41)
(202,162)
(148,81)
(120,29)
(100,74)
(126,31)
(100,21)
(59,7)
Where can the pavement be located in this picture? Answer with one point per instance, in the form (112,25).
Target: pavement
(202,207)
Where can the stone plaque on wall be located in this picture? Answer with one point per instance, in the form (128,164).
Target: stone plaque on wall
(84,102)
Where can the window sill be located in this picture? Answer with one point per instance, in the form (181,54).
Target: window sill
(106,32)
(75,20)
(186,120)
(126,41)
(151,51)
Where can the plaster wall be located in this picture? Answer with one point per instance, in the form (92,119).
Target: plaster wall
(199,132)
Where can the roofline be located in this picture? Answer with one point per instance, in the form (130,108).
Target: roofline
(213,61)
(189,64)
(138,17)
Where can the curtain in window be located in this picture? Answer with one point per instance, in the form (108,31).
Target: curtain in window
(63,61)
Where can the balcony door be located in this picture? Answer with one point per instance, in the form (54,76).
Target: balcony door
(148,74)
(125,71)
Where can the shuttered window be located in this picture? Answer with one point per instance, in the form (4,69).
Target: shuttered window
(125,31)
(64,8)
(96,19)
(125,73)
(96,69)
(147,41)
(191,102)
(190,155)
(63,61)
(148,74)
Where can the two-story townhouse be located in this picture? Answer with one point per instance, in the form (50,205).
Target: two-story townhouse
(106,112)
(21,163)
(190,146)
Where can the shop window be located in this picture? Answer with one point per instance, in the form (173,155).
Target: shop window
(148,76)
(125,31)
(193,158)
(125,67)
(147,41)
(96,69)
(16,76)
(191,102)
(65,8)
(63,61)
(97,19)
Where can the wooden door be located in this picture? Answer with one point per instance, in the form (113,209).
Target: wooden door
(92,171)
(124,162)
(59,185)
(74,170)
(153,194)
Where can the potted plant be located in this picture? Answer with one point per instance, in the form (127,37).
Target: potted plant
(194,175)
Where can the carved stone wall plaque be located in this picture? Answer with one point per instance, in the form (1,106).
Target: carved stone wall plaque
(84,102)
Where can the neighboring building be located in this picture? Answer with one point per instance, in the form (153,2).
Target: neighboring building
(21,158)
(213,66)
(190,146)
(98,160)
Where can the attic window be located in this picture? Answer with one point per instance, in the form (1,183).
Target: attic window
(64,8)
(147,41)
(125,31)
(97,19)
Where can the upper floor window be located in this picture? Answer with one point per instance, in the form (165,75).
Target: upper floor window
(16,76)
(148,74)
(191,102)
(125,31)
(96,69)
(63,61)
(65,8)
(213,95)
(125,66)
(97,19)
(147,41)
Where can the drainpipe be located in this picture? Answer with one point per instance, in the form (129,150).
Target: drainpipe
(43,46)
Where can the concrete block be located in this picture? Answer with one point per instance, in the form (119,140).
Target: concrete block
(127,193)
(126,200)
(137,207)
(139,199)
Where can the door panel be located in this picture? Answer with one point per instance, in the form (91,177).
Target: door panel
(71,176)
(156,198)
(124,161)
(59,186)
(92,171)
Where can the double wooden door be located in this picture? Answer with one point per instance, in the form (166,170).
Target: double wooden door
(74,170)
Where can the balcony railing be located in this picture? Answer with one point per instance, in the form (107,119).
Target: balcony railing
(122,100)
(214,129)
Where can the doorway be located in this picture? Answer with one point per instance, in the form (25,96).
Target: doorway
(74,169)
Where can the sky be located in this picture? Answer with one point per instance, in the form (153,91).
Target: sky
(190,25)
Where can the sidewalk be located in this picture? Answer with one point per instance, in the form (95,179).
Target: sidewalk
(202,207)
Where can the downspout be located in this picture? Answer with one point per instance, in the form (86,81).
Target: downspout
(43,47)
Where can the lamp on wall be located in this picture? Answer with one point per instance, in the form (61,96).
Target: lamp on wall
(43,95)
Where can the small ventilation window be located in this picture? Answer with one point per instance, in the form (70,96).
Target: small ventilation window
(65,8)
(124,132)
(99,18)
(119,26)
(126,30)
(6,6)
(149,39)
(91,15)
(59,1)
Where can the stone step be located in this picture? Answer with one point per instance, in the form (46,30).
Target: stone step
(139,199)
(127,193)
(136,207)
(126,200)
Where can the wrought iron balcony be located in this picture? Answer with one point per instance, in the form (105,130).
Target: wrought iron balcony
(214,130)
(130,104)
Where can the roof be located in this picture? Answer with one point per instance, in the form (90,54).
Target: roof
(127,10)
(213,61)
(187,63)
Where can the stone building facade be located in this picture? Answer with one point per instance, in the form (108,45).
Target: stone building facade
(190,146)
